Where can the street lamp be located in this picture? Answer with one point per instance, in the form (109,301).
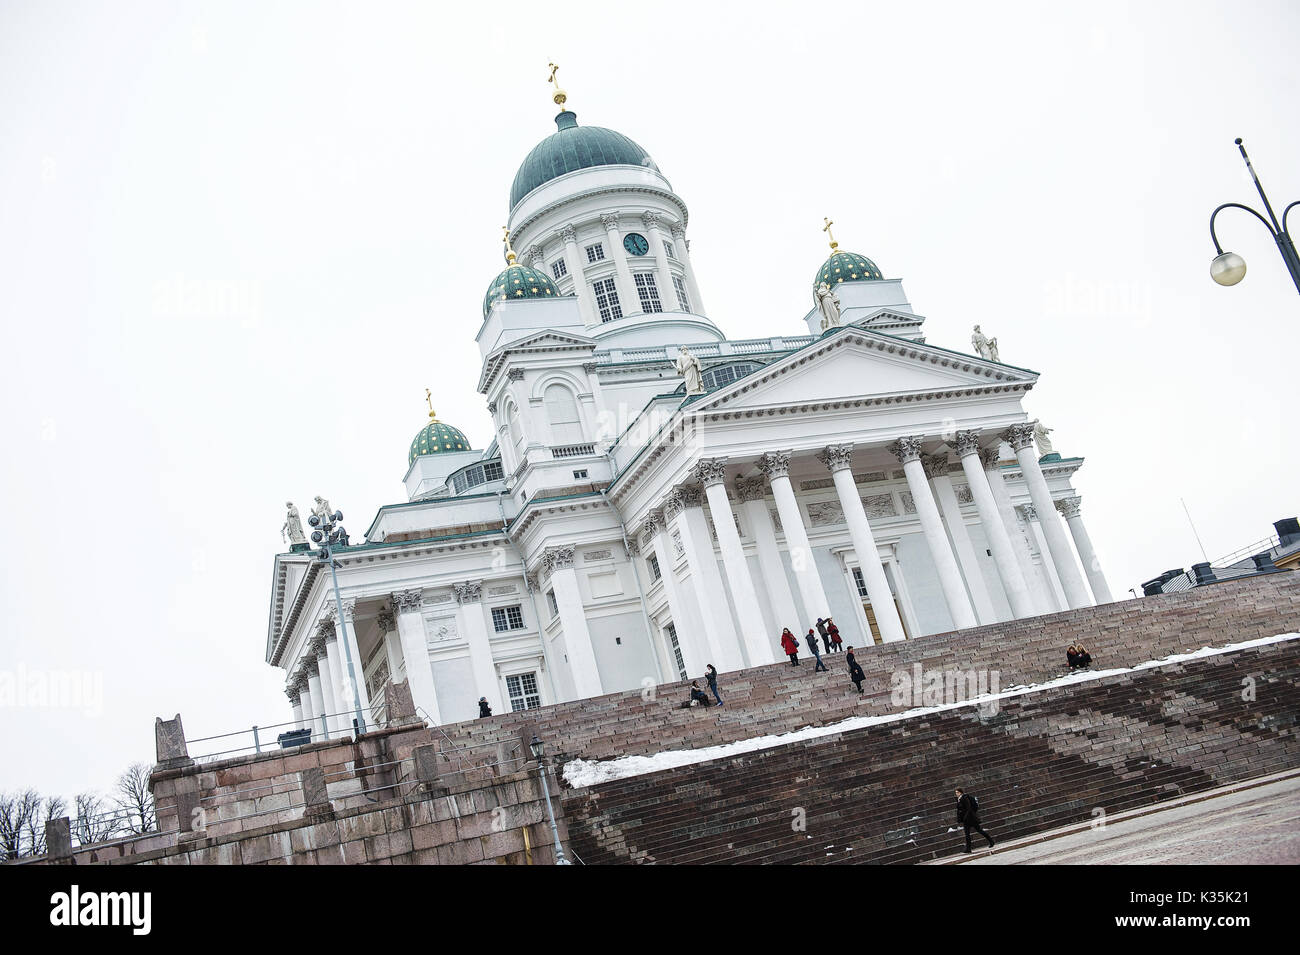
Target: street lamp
(1228,268)
(329,531)
(539,752)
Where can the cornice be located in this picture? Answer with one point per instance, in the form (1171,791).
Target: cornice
(522,227)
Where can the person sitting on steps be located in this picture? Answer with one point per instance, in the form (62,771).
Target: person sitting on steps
(698,696)
(1078,656)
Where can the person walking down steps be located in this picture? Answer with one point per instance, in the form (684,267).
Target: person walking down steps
(791,646)
(826,634)
(811,640)
(968,816)
(711,678)
(855,671)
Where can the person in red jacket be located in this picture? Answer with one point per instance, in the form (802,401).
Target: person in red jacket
(837,642)
(791,646)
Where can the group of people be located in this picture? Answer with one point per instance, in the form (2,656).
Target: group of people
(1078,656)
(830,635)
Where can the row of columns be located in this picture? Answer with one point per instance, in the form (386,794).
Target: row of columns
(657,232)
(321,689)
(965,592)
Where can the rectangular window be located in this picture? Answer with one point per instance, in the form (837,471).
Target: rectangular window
(607,300)
(668,248)
(653,563)
(523,691)
(862,584)
(580,475)
(595,252)
(507,618)
(671,630)
(682,299)
(553,604)
(559,269)
(492,470)
(647,291)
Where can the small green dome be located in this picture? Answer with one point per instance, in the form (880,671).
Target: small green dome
(518,282)
(437,438)
(571,148)
(846,267)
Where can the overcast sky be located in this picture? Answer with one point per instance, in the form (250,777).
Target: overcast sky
(238,240)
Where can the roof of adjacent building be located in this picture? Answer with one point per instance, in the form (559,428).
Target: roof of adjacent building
(574,147)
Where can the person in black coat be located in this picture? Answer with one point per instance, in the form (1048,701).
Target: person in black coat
(968,816)
(698,695)
(855,671)
(711,678)
(483,708)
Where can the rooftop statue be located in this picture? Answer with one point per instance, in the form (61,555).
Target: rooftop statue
(688,366)
(291,532)
(985,347)
(828,303)
(1043,442)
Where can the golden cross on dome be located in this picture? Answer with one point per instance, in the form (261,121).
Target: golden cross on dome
(830,235)
(428,396)
(559,96)
(505,237)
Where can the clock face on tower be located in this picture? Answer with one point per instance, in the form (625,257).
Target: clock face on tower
(636,244)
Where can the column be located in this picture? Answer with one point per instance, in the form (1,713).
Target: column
(627,296)
(295,701)
(1040,589)
(392,644)
(654,535)
(304,700)
(712,473)
(1069,509)
(776,466)
(936,469)
(1004,553)
(1021,439)
(753,504)
(328,683)
(573,618)
(319,727)
(839,459)
(684,257)
(663,275)
(908,452)
(352,681)
(1047,566)
(685,504)
(415,651)
(575,262)
(469,614)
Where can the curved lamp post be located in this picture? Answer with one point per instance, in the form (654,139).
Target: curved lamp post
(1228,268)
(327,533)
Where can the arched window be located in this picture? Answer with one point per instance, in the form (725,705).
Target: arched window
(562,413)
(516,432)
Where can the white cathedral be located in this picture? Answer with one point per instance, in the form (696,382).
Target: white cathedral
(659,497)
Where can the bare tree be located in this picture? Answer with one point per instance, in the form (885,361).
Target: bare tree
(135,799)
(22,824)
(96,821)
(11,829)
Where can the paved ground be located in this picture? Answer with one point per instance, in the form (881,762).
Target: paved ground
(1259,826)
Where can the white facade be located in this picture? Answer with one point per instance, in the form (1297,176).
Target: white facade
(619,532)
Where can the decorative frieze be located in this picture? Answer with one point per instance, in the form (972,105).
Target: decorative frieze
(821,513)
(966,442)
(503,589)
(1028,512)
(776,520)
(936,465)
(471,591)
(557,558)
(678,547)
(711,471)
(515,374)
(836,457)
(909,502)
(440,630)
(1068,507)
(775,464)
(750,489)
(591,555)
(964,494)
(906,449)
(1019,436)
(879,505)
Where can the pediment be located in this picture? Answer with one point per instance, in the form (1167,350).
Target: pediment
(547,339)
(855,364)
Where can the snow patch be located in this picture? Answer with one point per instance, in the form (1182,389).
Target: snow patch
(579,773)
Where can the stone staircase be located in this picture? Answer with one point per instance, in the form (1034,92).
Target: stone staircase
(779,698)
(884,794)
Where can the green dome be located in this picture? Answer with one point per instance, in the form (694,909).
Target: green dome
(846,267)
(574,147)
(437,438)
(518,282)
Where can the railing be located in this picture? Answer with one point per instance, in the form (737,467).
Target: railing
(572,451)
(1250,550)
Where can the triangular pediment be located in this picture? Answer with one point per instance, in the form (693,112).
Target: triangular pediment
(546,339)
(854,364)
